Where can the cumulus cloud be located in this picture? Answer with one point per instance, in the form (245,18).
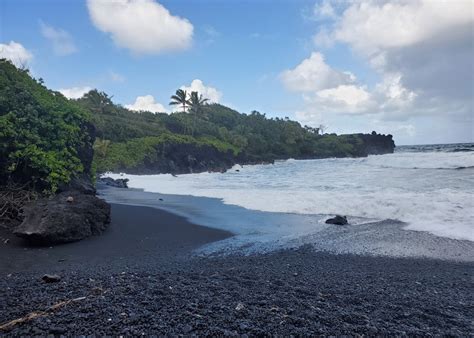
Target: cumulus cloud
(75,92)
(423,48)
(142,26)
(62,41)
(421,51)
(326,89)
(348,96)
(16,53)
(208,92)
(146,103)
(314,74)
(375,26)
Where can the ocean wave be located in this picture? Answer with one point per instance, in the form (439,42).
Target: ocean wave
(416,168)
(431,160)
(365,189)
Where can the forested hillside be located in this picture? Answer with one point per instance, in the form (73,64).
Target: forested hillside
(211,138)
(45,139)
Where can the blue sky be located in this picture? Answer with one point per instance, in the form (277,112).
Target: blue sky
(283,58)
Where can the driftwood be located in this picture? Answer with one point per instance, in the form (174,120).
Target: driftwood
(33,315)
(12,199)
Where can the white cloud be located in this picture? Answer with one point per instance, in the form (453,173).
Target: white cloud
(208,92)
(323,10)
(75,92)
(62,42)
(348,95)
(422,52)
(340,100)
(325,90)
(373,26)
(16,53)
(142,26)
(323,38)
(314,74)
(146,103)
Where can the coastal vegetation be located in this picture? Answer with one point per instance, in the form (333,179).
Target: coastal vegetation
(46,139)
(131,141)
(46,153)
(42,134)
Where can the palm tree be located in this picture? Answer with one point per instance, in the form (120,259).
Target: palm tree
(196,101)
(180,98)
(101,146)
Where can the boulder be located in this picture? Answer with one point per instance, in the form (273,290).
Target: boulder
(51,278)
(82,184)
(118,183)
(339,220)
(66,217)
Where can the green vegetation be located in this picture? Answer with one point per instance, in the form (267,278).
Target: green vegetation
(151,149)
(180,98)
(42,134)
(129,139)
(45,139)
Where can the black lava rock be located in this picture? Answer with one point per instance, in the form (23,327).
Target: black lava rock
(339,220)
(51,278)
(67,217)
(118,183)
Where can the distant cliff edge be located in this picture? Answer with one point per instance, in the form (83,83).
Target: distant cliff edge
(377,144)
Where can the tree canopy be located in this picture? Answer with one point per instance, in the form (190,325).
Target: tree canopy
(252,137)
(43,135)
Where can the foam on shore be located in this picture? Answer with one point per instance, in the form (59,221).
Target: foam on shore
(426,191)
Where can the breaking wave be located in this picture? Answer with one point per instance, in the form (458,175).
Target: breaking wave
(440,202)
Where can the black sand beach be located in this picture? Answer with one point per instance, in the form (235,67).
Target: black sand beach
(137,234)
(140,278)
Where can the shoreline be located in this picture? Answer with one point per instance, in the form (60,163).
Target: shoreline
(261,231)
(141,277)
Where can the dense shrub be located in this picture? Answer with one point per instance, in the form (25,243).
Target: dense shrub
(42,134)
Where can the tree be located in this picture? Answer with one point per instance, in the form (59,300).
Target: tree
(45,138)
(180,98)
(311,130)
(196,101)
(101,146)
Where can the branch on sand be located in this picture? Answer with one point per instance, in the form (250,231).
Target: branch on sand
(12,199)
(33,315)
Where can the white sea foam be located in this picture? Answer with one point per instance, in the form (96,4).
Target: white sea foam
(431,160)
(422,189)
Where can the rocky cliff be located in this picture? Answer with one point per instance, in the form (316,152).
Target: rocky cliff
(376,144)
(186,158)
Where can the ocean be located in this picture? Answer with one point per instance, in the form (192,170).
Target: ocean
(419,189)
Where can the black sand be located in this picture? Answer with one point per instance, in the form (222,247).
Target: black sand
(136,234)
(139,278)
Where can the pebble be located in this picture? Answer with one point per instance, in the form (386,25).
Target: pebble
(258,296)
